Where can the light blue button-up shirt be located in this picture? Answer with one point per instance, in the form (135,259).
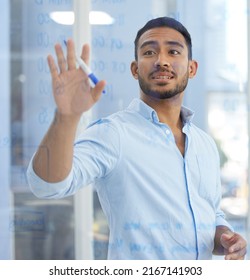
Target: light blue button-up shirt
(159,204)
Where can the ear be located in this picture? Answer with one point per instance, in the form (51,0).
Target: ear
(193,66)
(134,69)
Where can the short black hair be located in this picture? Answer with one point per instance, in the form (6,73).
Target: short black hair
(165,22)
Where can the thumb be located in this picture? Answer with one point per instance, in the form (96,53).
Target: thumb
(226,239)
(98,90)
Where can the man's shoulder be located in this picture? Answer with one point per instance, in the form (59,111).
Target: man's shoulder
(116,119)
(110,119)
(201,132)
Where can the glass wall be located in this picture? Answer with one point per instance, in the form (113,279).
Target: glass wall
(226,84)
(42,229)
(5,198)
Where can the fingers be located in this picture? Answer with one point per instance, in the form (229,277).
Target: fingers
(71,59)
(52,66)
(97,90)
(235,246)
(236,254)
(239,255)
(70,63)
(226,239)
(239,245)
(85,53)
(60,58)
(99,87)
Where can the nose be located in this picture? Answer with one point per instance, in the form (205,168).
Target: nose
(162,61)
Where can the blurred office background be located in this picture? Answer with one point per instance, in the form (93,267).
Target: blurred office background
(75,227)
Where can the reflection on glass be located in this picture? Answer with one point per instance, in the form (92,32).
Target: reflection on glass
(226,70)
(228,124)
(42,229)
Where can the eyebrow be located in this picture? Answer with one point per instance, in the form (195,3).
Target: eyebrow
(152,42)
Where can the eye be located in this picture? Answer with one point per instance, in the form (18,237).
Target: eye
(149,52)
(174,52)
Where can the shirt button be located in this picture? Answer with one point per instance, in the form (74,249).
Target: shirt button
(168,131)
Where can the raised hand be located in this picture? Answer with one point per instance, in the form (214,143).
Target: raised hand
(71,88)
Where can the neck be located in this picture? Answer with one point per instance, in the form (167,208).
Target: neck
(168,110)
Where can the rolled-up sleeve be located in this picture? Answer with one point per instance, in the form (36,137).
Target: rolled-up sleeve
(96,153)
(221,221)
(43,189)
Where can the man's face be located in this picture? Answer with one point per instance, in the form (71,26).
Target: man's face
(162,68)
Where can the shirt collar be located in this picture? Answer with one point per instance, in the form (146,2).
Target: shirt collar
(149,113)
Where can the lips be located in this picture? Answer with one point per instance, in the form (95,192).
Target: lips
(162,76)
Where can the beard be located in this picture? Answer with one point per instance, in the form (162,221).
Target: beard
(163,94)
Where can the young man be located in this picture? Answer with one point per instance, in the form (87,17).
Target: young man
(151,166)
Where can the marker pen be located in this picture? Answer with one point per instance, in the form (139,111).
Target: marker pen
(93,79)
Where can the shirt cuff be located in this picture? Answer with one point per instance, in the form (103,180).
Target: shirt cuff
(43,189)
(220,221)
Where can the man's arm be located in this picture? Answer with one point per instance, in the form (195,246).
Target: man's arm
(229,243)
(73,96)
(53,159)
